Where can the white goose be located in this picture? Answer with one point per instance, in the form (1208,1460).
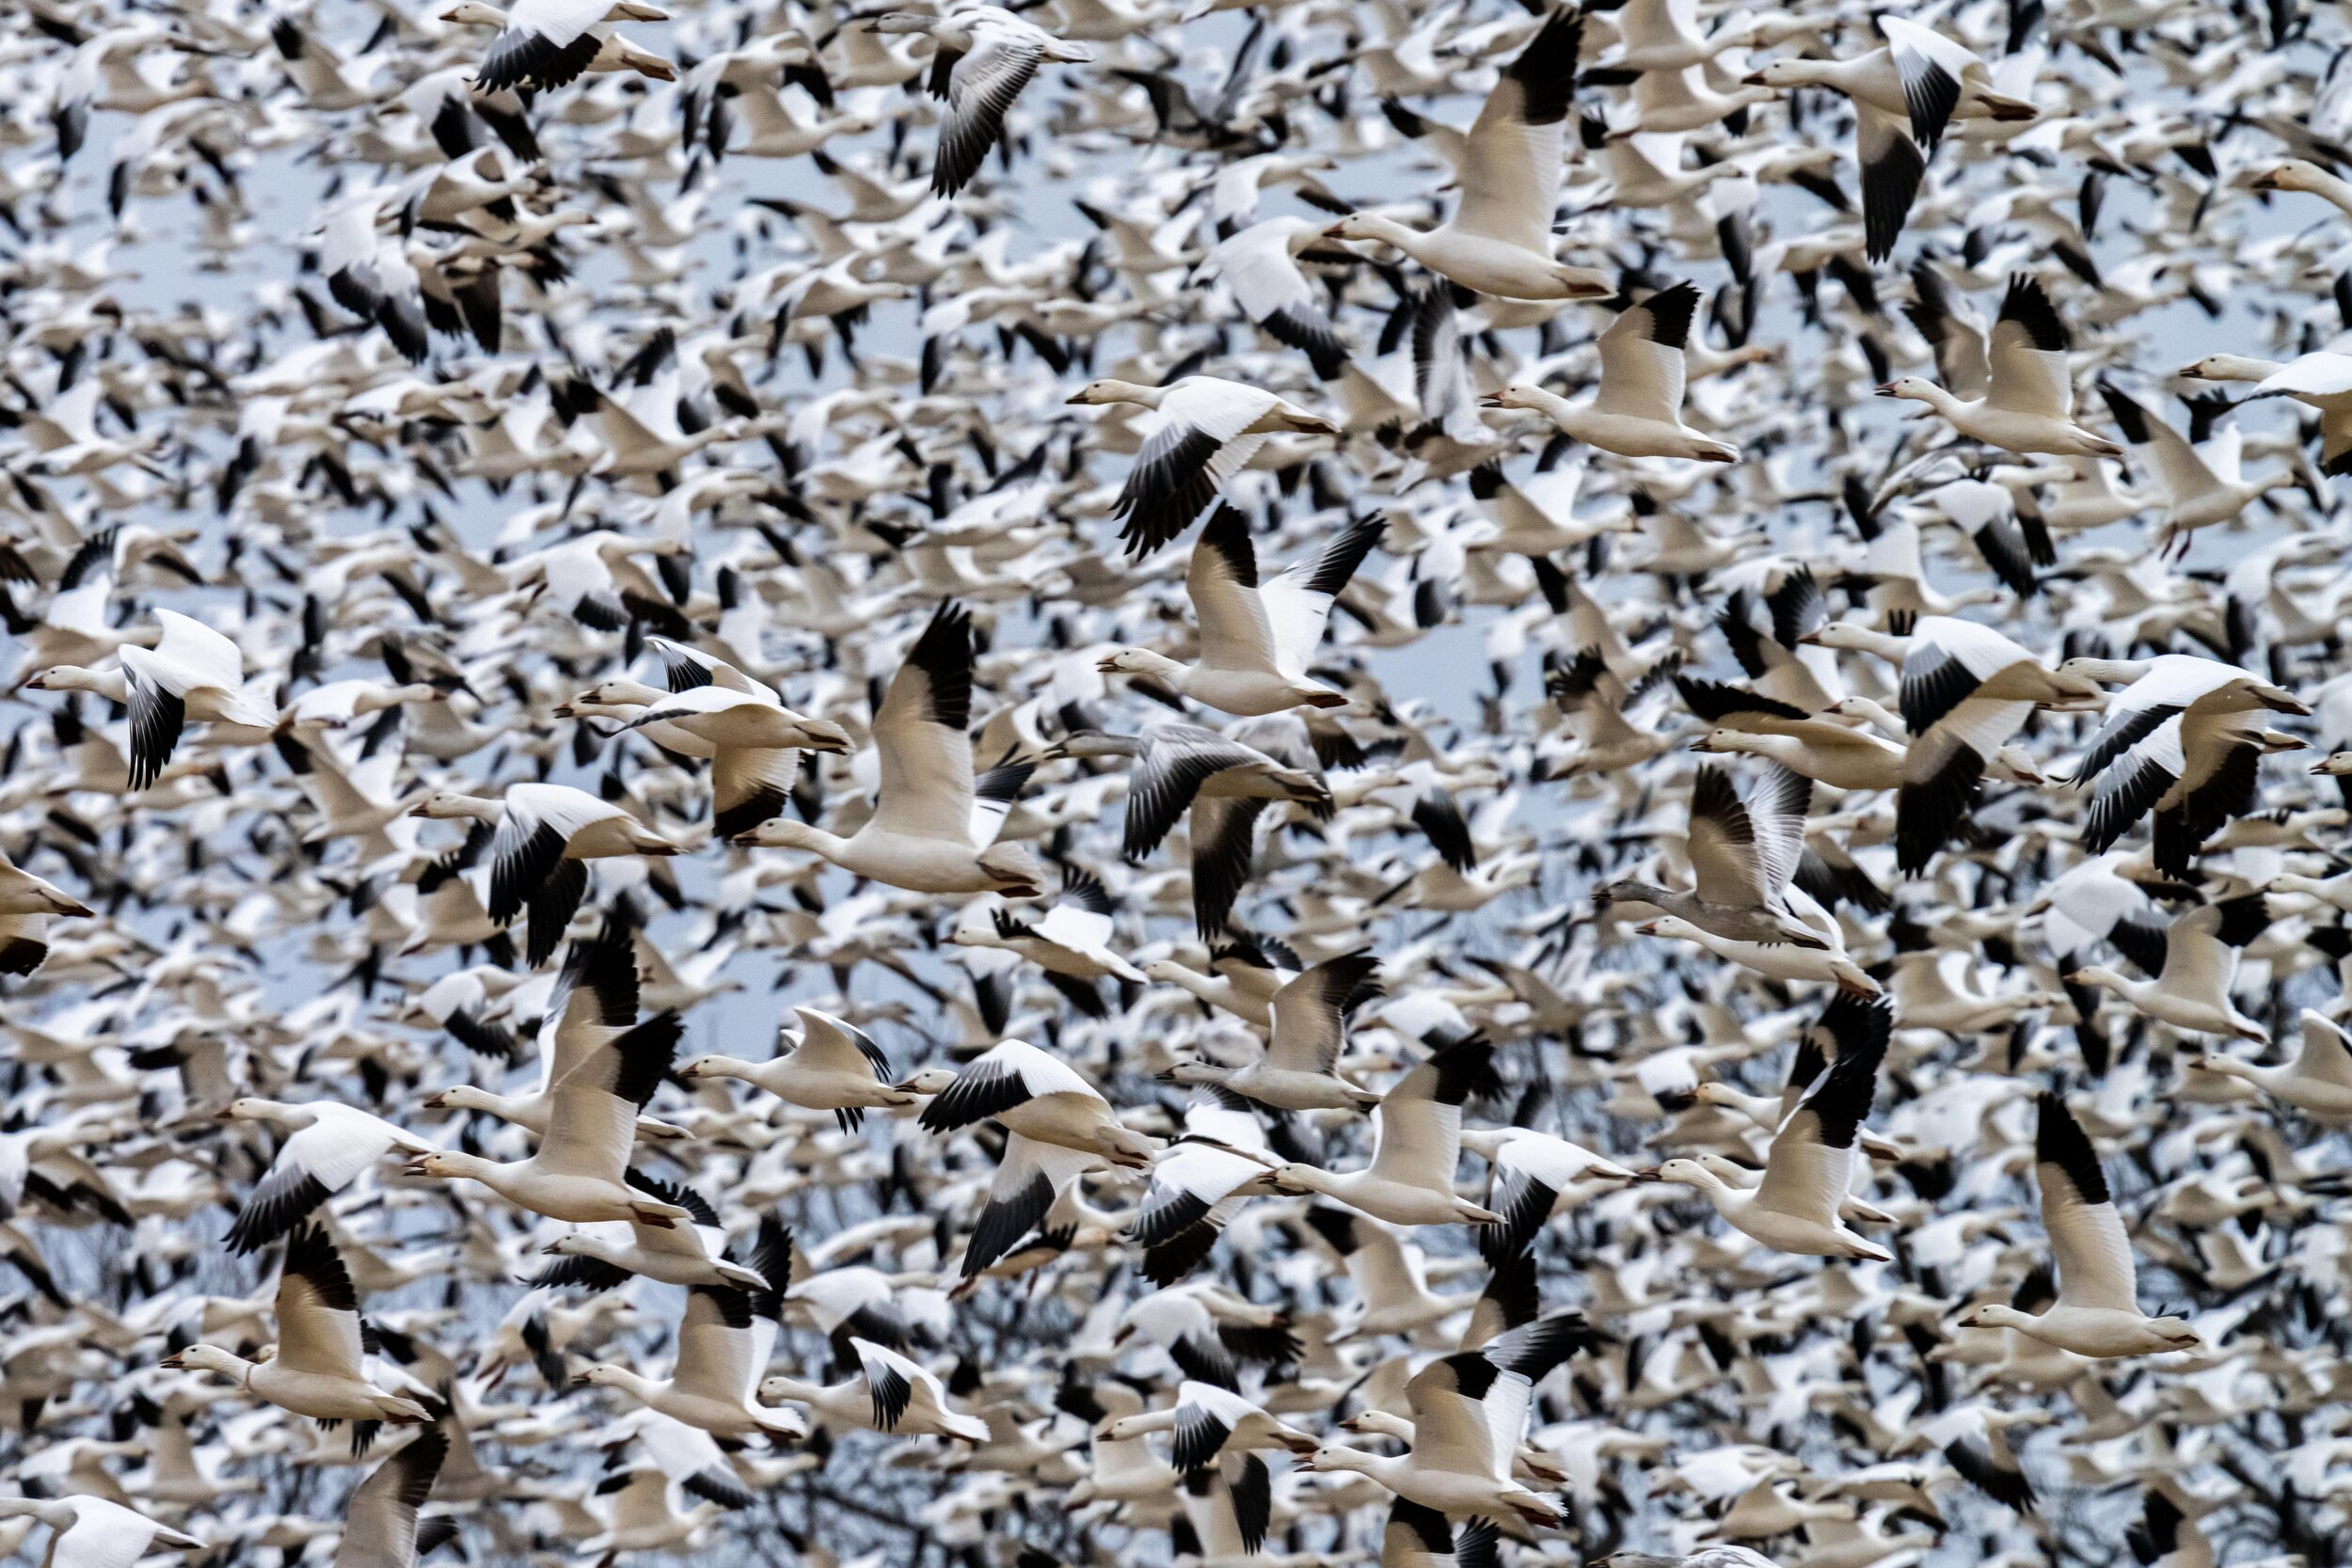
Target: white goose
(889,1394)
(1205,431)
(723,1343)
(832,1066)
(1255,637)
(2097,1311)
(2029,405)
(192,671)
(2317,1083)
(1498,241)
(332,1145)
(1637,411)
(1796,1207)
(2195,963)
(1417,1141)
(1297,1069)
(547,833)
(933,828)
(93,1533)
(317,1369)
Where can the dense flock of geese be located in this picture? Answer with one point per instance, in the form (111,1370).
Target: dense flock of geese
(1111,783)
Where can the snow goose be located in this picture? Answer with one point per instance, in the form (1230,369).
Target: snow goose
(1071,944)
(550,43)
(1637,411)
(93,1533)
(1828,963)
(331,1146)
(1533,1178)
(2195,963)
(1297,1070)
(1966,690)
(755,740)
(2195,773)
(1469,1413)
(1204,431)
(192,671)
(890,1394)
(2167,686)
(1390,1276)
(2202,488)
(1199,1183)
(1040,1096)
(933,828)
(1222,784)
(2097,1311)
(28,904)
(1259,265)
(1795,1209)
(1255,637)
(1498,241)
(724,1344)
(380,1521)
(1742,856)
(2029,404)
(986,56)
(2317,1083)
(316,1371)
(604,1256)
(579,1171)
(2321,380)
(591,1005)
(832,1066)
(1417,1141)
(1904,95)
(547,833)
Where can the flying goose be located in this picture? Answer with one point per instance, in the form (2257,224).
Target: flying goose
(550,43)
(192,671)
(934,828)
(1469,1413)
(2028,402)
(1904,95)
(986,56)
(380,1522)
(331,1146)
(2097,1311)
(1742,856)
(832,1066)
(1256,637)
(2317,1083)
(579,1170)
(1498,241)
(1204,430)
(1222,784)
(1297,1070)
(889,1394)
(94,1532)
(1637,411)
(1417,1138)
(547,833)
(317,1369)
(1795,1209)
(2195,963)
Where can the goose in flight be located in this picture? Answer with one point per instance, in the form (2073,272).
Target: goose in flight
(1904,95)
(832,1066)
(330,1146)
(578,1173)
(550,43)
(1469,1413)
(890,1394)
(1255,637)
(380,1522)
(934,827)
(1297,1070)
(2097,1311)
(28,904)
(96,1532)
(192,671)
(986,56)
(1417,1140)
(1637,411)
(724,1344)
(1204,430)
(317,1369)
(2194,961)
(1742,856)
(2028,402)
(1810,1171)
(1222,784)
(547,833)
(2318,1082)
(1498,241)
